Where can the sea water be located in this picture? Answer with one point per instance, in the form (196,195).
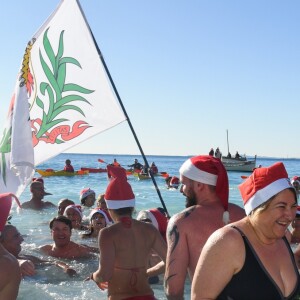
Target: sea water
(50,282)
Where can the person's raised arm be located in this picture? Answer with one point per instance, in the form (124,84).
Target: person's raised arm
(222,256)
(160,248)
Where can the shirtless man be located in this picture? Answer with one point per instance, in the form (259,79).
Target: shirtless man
(205,184)
(11,240)
(10,275)
(38,192)
(63,247)
(126,245)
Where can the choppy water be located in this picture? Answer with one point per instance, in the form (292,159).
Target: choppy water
(50,282)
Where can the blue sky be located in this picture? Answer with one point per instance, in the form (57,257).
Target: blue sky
(186,72)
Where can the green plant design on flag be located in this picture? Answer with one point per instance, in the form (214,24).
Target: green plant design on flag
(5,147)
(56,86)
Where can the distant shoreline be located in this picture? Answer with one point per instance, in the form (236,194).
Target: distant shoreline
(155,155)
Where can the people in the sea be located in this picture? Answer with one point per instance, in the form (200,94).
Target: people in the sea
(87,197)
(62,204)
(37,195)
(167,180)
(229,155)
(10,273)
(157,217)
(11,240)
(153,168)
(296,184)
(295,231)
(126,245)
(102,205)
(145,170)
(63,247)
(74,214)
(174,182)
(115,163)
(251,258)
(68,167)
(136,165)
(98,220)
(204,183)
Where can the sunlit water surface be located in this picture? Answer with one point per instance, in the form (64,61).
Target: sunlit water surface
(50,282)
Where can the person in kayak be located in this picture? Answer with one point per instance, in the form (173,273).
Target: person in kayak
(68,167)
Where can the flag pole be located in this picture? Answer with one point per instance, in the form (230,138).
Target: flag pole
(130,125)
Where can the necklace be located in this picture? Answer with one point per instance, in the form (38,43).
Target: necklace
(257,236)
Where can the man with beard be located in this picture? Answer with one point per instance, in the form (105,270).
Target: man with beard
(204,182)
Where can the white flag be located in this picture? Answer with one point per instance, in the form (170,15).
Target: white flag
(16,148)
(70,96)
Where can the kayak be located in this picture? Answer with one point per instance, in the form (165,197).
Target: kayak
(94,170)
(51,172)
(143,176)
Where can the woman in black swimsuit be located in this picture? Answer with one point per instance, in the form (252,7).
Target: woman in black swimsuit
(251,259)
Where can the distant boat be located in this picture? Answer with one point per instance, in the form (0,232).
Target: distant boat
(240,164)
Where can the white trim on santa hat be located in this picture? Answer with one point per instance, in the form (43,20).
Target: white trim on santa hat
(85,193)
(190,171)
(265,194)
(116,204)
(99,211)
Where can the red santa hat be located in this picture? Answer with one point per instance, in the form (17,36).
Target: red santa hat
(110,171)
(174,182)
(118,193)
(263,184)
(209,170)
(5,206)
(158,219)
(85,192)
(102,212)
(75,207)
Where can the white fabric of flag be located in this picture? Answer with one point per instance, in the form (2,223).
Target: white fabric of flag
(73,98)
(67,91)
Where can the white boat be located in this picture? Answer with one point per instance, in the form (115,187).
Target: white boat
(239,164)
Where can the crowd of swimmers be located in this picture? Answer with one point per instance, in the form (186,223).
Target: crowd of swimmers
(228,252)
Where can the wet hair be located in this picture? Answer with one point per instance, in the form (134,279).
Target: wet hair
(61,219)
